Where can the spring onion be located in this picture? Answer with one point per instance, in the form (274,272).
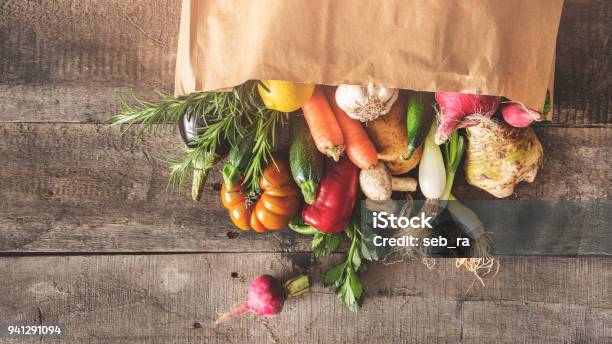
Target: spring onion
(432,173)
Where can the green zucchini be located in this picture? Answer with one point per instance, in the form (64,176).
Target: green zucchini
(419,115)
(304,159)
(238,161)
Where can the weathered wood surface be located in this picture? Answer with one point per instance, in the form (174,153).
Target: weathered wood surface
(81,188)
(68,61)
(85,188)
(175,298)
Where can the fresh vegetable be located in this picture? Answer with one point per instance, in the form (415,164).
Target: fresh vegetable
(433,207)
(499,156)
(278,202)
(453,152)
(331,212)
(284,96)
(388,133)
(377,183)
(190,127)
(344,276)
(280,198)
(322,244)
(238,204)
(201,164)
(266,296)
(304,159)
(432,175)
(264,133)
(357,145)
(519,116)
(419,115)
(237,161)
(432,180)
(211,122)
(365,102)
(323,125)
(457,110)
(481,262)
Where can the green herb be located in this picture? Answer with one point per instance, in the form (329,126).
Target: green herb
(265,129)
(369,250)
(169,110)
(228,116)
(198,160)
(452,152)
(324,244)
(344,276)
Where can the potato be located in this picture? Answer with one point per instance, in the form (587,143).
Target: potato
(388,133)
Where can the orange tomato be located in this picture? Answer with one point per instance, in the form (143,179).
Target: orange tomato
(235,201)
(232,197)
(280,199)
(257,226)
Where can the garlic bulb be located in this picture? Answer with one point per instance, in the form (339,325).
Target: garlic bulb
(365,102)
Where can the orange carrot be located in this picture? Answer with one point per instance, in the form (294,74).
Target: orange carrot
(323,125)
(359,149)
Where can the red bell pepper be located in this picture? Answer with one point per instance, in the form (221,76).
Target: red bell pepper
(332,209)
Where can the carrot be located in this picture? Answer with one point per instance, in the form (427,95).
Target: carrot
(359,149)
(323,125)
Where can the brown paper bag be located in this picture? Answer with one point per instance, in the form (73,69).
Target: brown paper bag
(491,47)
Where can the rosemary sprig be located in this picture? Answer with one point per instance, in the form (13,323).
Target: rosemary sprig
(227,116)
(154,115)
(196,159)
(265,129)
(212,106)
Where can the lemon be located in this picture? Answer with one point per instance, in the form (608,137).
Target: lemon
(284,96)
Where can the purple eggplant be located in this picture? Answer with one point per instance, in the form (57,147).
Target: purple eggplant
(190,126)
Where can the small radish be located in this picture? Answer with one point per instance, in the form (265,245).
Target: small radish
(457,108)
(267,296)
(519,116)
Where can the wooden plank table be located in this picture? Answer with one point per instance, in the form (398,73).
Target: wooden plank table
(91,239)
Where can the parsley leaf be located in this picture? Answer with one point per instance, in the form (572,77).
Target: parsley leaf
(344,276)
(323,244)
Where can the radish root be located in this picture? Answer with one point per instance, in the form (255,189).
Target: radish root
(232,314)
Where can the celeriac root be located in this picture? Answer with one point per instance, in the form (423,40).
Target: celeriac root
(498,157)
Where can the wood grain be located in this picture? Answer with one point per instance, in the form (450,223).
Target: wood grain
(582,78)
(175,298)
(85,188)
(67,187)
(68,62)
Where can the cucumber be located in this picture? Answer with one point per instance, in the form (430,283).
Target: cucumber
(237,161)
(304,159)
(419,115)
